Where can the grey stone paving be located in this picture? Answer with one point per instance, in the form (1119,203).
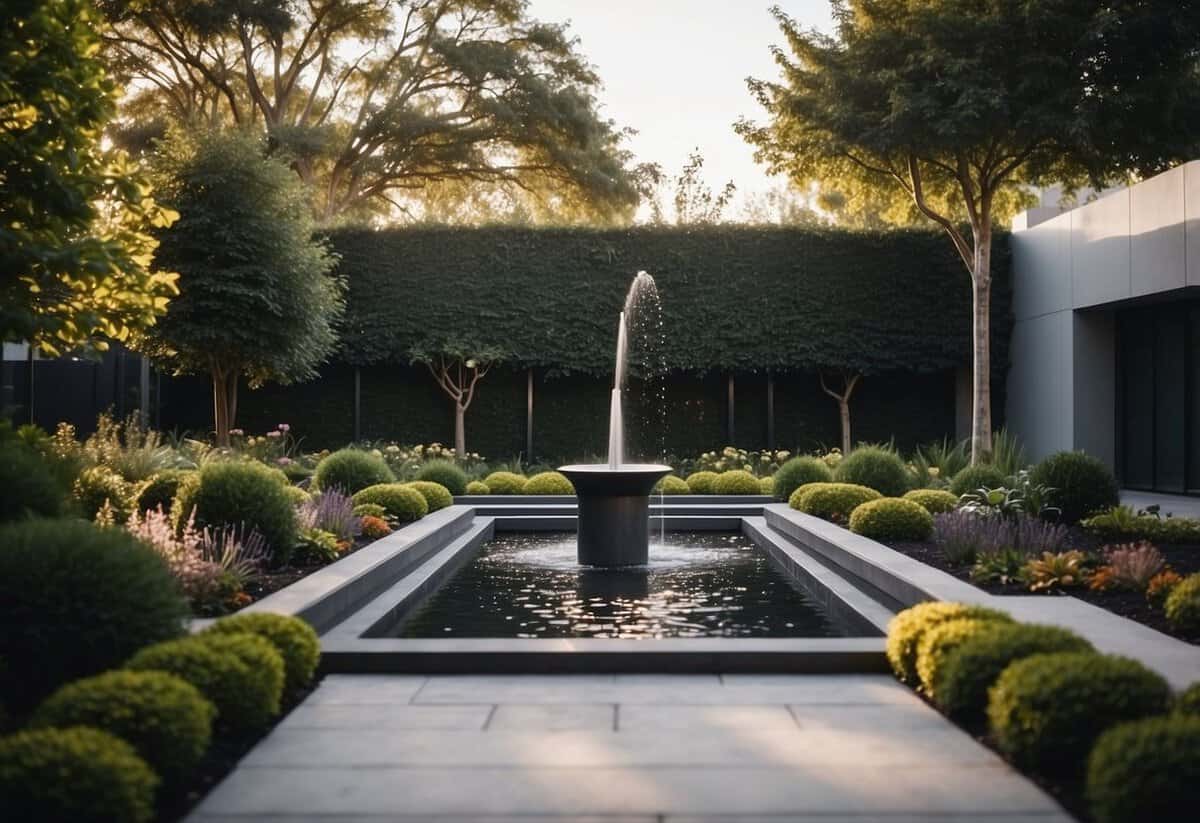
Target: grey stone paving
(615,748)
(1175,504)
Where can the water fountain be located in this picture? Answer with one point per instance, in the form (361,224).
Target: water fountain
(614,497)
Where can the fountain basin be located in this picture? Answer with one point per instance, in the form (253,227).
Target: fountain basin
(614,511)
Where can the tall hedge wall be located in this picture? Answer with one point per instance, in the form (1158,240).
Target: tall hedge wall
(734,298)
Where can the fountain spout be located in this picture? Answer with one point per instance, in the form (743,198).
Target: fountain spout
(616,424)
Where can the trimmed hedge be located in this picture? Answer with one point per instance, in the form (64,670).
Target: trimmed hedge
(702,482)
(1046,711)
(478,487)
(352,470)
(242,495)
(165,718)
(436,495)
(892,518)
(398,500)
(76,775)
(1147,770)
(1183,605)
(294,639)
(445,474)
(831,501)
(934,501)
(671,484)
(1083,485)
(30,487)
(548,483)
(906,629)
(979,476)
(876,468)
(938,643)
(505,483)
(797,472)
(735,482)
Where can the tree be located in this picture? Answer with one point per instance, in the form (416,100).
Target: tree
(375,98)
(76,255)
(958,103)
(457,366)
(692,199)
(257,299)
(849,383)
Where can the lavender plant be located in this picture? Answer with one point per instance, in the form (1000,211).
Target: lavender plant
(966,534)
(333,512)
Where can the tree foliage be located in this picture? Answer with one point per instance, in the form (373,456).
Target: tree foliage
(692,200)
(76,255)
(374,99)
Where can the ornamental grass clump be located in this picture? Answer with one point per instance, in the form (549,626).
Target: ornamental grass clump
(1146,770)
(907,628)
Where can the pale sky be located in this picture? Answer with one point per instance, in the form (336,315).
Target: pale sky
(675,70)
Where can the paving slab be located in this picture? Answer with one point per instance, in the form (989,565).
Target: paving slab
(387,717)
(557,717)
(367,689)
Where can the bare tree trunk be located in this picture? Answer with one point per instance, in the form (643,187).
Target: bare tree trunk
(849,382)
(844,408)
(225,385)
(981,394)
(460,430)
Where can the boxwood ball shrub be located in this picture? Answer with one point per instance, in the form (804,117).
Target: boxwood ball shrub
(907,628)
(973,668)
(979,476)
(242,495)
(159,489)
(937,644)
(796,472)
(548,483)
(30,487)
(702,482)
(934,501)
(75,775)
(84,599)
(446,474)
(891,518)
(876,468)
(1183,605)
(352,470)
(294,639)
(1083,485)
(766,485)
(505,483)
(296,494)
(1046,711)
(398,500)
(478,487)
(166,719)
(735,482)
(369,510)
(1188,700)
(1145,770)
(672,484)
(831,501)
(436,495)
(260,655)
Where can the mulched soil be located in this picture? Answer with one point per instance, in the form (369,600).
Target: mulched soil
(272,580)
(1184,559)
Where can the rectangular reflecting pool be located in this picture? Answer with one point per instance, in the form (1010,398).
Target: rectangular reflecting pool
(695,585)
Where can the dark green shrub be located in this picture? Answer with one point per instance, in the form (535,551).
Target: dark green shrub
(906,629)
(796,472)
(296,472)
(672,485)
(296,494)
(1188,700)
(100,485)
(1082,484)
(935,501)
(979,476)
(735,482)
(891,518)
(445,474)
(260,655)
(974,667)
(159,490)
(548,483)
(436,495)
(936,645)
(400,502)
(294,639)
(505,483)
(246,699)
(831,501)
(1147,770)
(165,718)
(478,487)
(702,482)
(76,599)
(30,486)
(75,775)
(243,495)
(876,468)
(1183,605)
(1046,711)
(352,470)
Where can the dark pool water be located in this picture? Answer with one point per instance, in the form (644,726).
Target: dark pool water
(696,585)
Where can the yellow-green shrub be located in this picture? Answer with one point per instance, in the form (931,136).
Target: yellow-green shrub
(702,482)
(436,495)
(478,487)
(548,483)
(831,501)
(1147,770)
(938,643)
(934,501)
(672,484)
(505,483)
(293,638)
(908,627)
(398,500)
(736,481)
(891,518)
(352,470)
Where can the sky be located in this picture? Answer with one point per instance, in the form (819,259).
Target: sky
(676,71)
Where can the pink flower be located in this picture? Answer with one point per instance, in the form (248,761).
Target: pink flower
(274,434)
(284,427)
(284,461)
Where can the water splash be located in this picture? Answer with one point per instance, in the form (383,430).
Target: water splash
(640,321)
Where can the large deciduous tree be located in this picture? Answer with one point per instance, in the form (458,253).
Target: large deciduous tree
(959,102)
(257,299)
(376,98)
(76,251)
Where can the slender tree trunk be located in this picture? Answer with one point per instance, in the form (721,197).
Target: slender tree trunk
(981,394)
(225,386)
(844,408)
(849,382)
(460,430)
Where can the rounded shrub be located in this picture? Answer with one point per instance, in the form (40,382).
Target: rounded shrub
(76,599)
(892,518)
(505,483)
(972,669)
(397,499)
(934,501)
(548,483)
(294,639)
(876,468)
(245,699)
(436,495)
(1046,711)
(100,485)
(798,471)
(352,470)
(831,501)
(735,482)
(445,474)
(1083,485)
(766,486)
(30,487)
(296,494)
(702,482)
(166,719)
(159,489)
(979,476)
(672,484)
(1145,770)
(75,775)
(369,510)
(938,643)
(908,627)
(1188,700)
(478,487)
(242,495)
(1183,605)
(259,655)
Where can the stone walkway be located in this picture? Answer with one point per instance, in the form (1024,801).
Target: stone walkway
(1175,504)
(620,748)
